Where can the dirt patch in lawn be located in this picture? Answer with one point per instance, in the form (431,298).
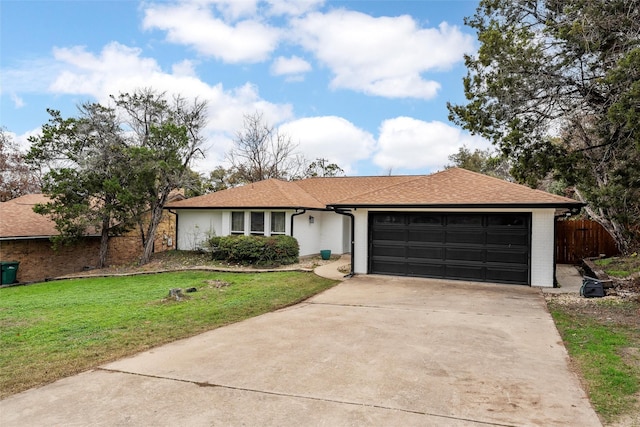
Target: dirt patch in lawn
(609,309)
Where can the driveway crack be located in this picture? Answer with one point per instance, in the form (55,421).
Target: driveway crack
(312,398)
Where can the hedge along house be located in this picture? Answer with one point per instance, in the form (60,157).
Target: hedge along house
(453,224)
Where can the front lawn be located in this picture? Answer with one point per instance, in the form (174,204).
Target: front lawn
(602,337)
(56,329)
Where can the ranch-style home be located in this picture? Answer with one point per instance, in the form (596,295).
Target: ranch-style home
(453,224)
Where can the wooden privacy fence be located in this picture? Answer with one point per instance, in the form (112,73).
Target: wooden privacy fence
(582,238)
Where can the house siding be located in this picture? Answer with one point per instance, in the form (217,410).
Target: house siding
(325,232)
(196,226)
(542,240)
(306,233)
(542,247)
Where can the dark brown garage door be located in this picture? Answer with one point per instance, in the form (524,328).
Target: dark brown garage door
(490,247)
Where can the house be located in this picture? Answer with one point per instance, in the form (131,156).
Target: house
(453,224)
(25,237)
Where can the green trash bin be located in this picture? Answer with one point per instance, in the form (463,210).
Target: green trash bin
(9,272)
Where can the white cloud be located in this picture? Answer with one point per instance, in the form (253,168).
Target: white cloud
(18,102)
(184,69)
(118,68)
(293,7)
(293,65)
(332,138)
(409,144)
(23,139)
(193,24)
(384,56)
(234,9)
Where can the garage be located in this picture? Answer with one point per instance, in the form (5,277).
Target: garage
(484,247)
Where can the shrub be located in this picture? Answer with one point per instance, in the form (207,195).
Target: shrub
(257,250)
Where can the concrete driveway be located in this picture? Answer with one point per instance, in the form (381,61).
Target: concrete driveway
(374,350)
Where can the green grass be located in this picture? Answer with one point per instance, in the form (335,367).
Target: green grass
(620,266)
(55,329)
(597,348)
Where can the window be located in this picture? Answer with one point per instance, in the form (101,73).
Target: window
(237,222)
(277,222)
(257,222)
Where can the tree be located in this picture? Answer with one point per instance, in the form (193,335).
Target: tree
(112,164)
(481,161)
(262,152)
(166,139)
(16,178)
(322,167)
(221,179)
(88,175)
(556,86)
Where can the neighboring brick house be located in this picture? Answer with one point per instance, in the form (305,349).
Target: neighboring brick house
(25,237)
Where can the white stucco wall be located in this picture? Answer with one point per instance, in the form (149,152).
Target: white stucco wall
(361,239)
(542,247)
(307,233)
(195,226)
(542,240)
(325,232)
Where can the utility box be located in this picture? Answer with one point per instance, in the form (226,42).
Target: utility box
(9,272)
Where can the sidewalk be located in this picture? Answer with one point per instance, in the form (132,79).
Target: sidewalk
(330,271)
(569,280)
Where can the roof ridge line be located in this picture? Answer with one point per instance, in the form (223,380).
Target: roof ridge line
(287,194)
(307,193)
(385,187)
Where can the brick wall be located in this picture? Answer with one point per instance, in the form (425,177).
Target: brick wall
(38,260)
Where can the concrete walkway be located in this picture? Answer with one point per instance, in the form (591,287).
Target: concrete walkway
(374,350)
(331,270)
(569,280)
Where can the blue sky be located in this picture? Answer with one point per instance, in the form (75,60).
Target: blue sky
(363,83)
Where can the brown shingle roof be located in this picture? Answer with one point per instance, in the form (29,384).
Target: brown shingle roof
(456,187)
(268,193)
(452,187)
(17,218)
(331,190)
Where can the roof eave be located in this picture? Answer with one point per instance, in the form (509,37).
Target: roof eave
(228,208)
(459,205)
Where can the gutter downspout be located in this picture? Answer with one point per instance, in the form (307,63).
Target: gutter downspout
(296,214)
(176,214)
(353,236)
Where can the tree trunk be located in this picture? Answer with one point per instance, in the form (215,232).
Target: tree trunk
(104,243)
(156,216)
(613,228)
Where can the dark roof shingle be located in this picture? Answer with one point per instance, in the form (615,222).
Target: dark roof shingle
(451,187)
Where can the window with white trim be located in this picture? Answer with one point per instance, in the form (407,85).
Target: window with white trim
(237,222)
(257,223)
(277,222)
